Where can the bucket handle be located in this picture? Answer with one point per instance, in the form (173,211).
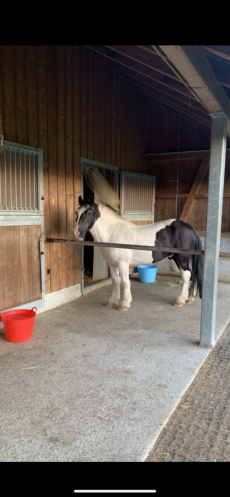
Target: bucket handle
(34,309)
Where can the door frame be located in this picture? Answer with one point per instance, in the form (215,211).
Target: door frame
(104,166)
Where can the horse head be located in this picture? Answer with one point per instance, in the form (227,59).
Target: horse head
(86,216)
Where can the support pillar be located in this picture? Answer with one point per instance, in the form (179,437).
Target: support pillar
(213,228)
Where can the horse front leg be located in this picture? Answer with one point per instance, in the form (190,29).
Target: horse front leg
(125,286)
(184,295)
(116,281)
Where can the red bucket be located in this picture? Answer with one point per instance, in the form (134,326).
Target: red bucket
(18,324)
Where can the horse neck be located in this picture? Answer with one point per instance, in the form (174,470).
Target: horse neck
(102,227)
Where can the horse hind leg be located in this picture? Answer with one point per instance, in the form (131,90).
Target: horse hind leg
(125,286)
(184,296)
(116,281)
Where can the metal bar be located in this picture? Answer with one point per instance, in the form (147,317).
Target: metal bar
(15,172)
(34,165)
(213,228)
(5,178)
(25,180)
(136,247)
(126,246)
(42,262)
(29,182)
(10,184)
(0,180)
(20,179)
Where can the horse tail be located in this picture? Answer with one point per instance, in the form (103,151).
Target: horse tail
(197,268)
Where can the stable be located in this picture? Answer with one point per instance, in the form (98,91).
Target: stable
(153,120)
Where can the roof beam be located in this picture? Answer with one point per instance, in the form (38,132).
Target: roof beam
(195,68)
(223,52)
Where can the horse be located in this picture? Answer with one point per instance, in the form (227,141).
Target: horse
(107,226)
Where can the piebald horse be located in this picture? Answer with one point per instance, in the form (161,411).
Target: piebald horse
(107,226)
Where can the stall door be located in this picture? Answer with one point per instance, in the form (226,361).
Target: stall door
(21,227)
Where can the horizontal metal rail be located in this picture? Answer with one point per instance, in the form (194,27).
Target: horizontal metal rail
(126,246)
(134,247)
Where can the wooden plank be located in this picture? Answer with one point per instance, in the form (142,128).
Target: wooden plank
(17,268)
(96,99)
(84,90)
(118,123)
(3,267)
(107,97)
(223,51)
(31,76)
(43,144)
(90,67)
(2,124)
(25,296)
(20,95)
(195,188)
(9,263)
(69,159)
(102,116)
(76,156)
(182,155)
(127,137)
(52,161)
(61,179)
(114,106)
(35,273)
(122,129)
(8,89)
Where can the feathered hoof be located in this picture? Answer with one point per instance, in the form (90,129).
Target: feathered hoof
(189,301)
(120,308)
(109,304)
(178,304)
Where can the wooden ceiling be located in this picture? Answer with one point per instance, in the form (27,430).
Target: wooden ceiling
(154,74)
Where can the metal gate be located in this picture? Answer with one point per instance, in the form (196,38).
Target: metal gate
(137,196)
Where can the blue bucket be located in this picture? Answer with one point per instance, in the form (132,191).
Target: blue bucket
(147,274)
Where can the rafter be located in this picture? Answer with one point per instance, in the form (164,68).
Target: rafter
(156,87)
(191,62)
(219,53)
(169,104)
(155,76)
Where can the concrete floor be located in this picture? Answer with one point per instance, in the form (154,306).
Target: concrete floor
(95,384)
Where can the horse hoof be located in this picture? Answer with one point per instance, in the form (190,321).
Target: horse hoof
(122,308)
(178,304)
(110,305)
(189,301)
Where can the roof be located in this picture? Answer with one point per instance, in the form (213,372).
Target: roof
(194,80)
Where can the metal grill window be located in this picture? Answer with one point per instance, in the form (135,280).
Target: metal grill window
(137,196)
(19,179)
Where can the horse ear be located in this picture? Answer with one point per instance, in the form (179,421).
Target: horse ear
(91,201)
(80,200)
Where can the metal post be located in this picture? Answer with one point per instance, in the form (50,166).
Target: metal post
(213,228)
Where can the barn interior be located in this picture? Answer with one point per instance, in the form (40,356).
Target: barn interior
(92,383)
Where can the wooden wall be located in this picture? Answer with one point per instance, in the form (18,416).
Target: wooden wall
(163,136)
(186,169)
(19,248)
(67,102)
(166,131)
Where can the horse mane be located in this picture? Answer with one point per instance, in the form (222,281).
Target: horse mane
(109,211)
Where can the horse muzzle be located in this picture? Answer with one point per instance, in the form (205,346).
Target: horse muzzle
(77,235)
